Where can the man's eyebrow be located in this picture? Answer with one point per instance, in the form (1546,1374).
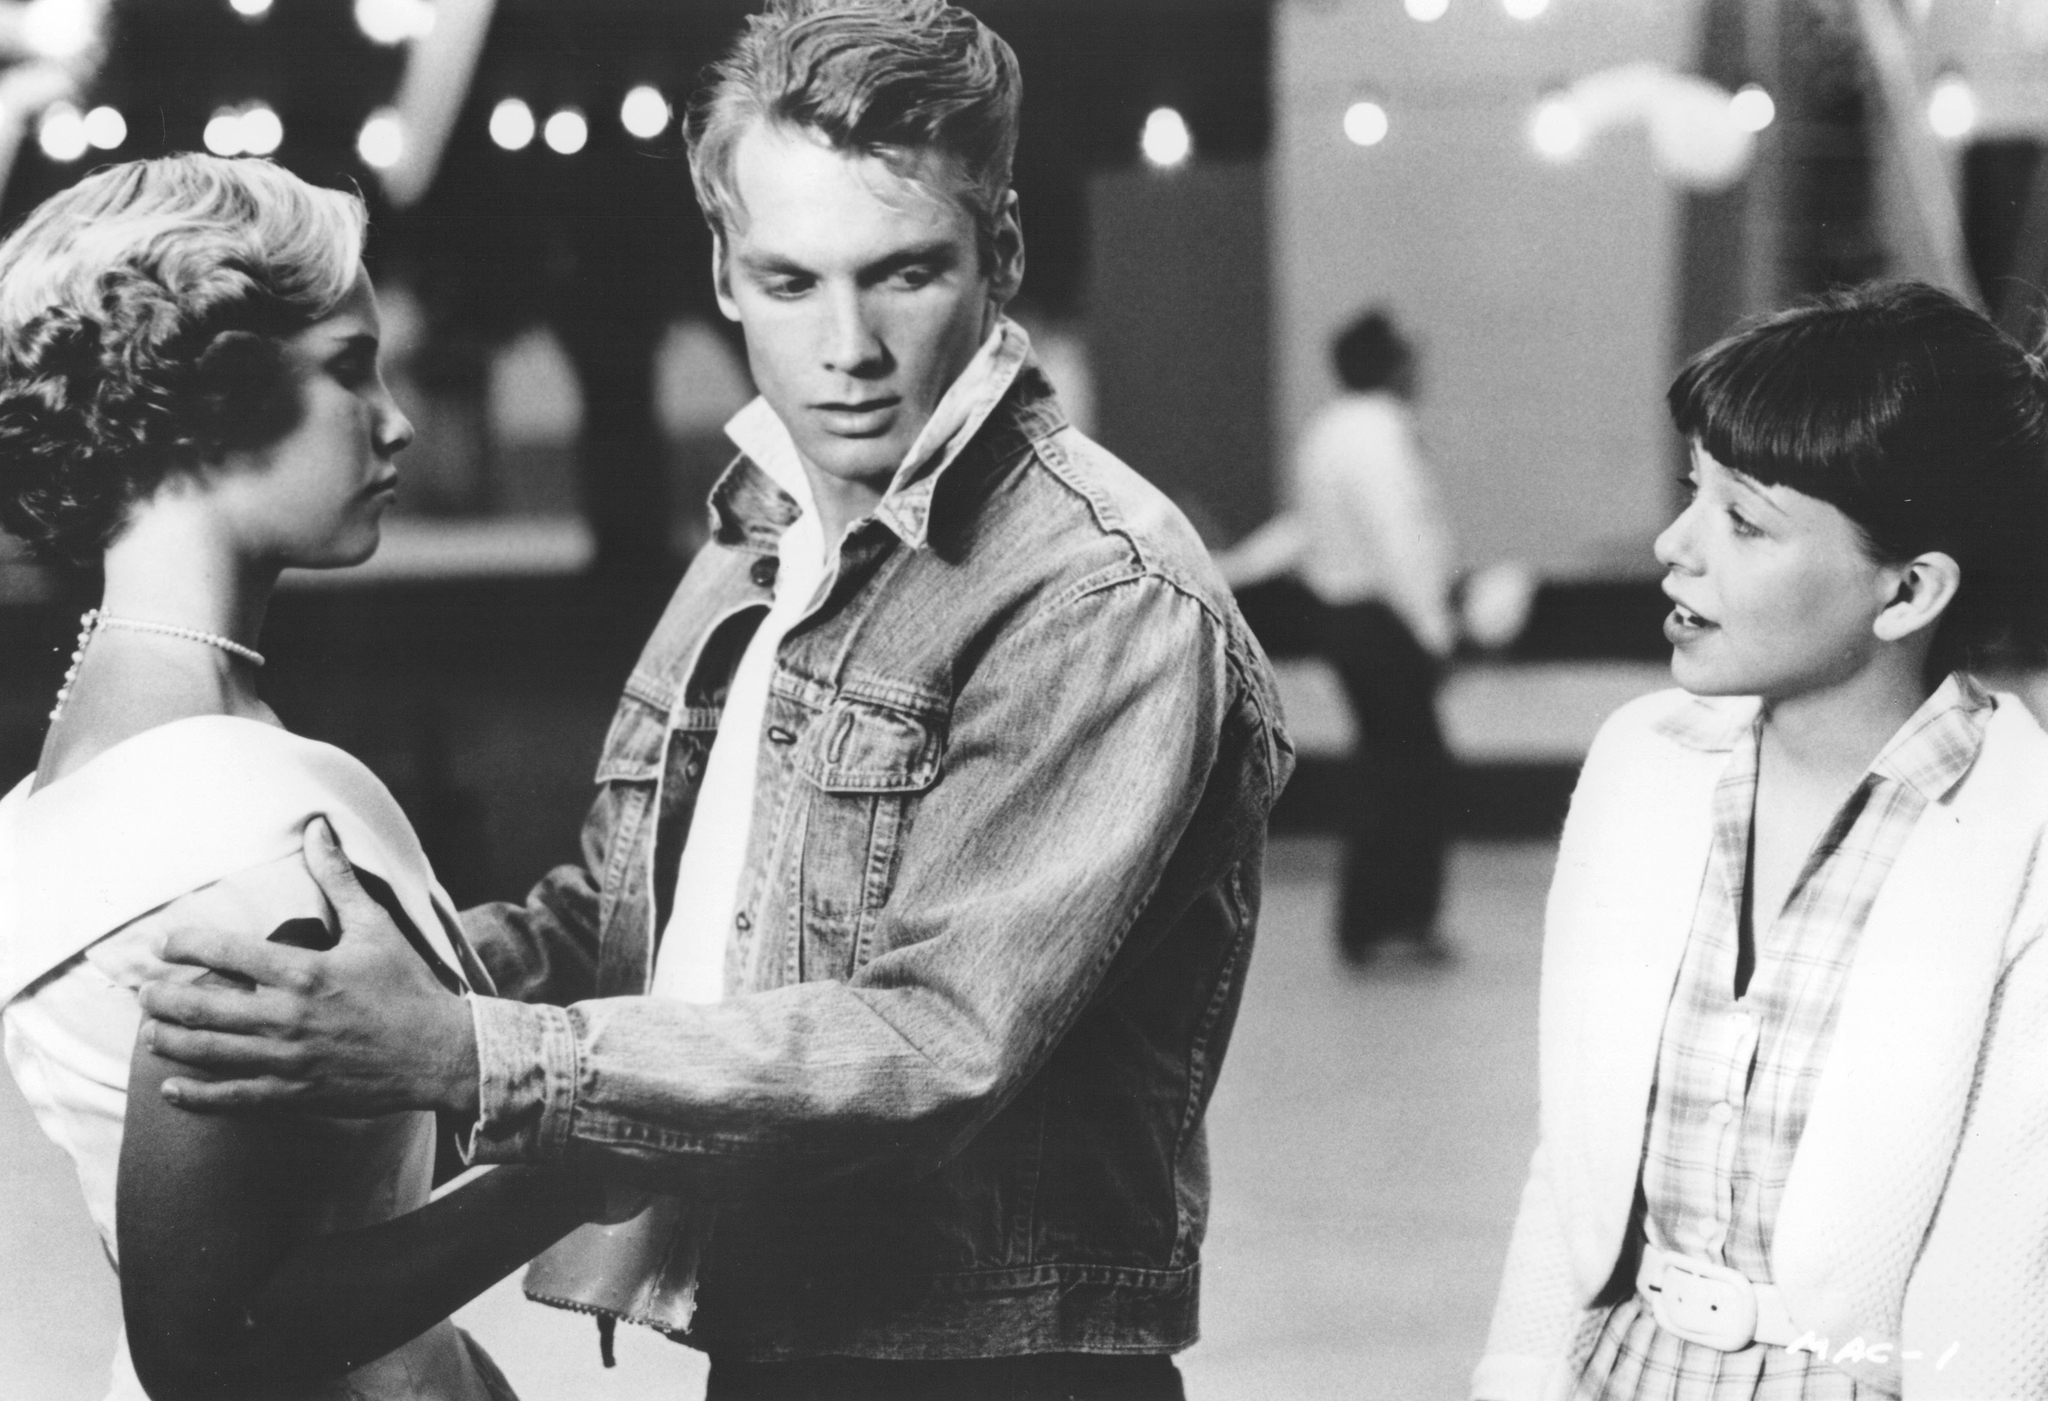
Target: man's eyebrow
(772,263)
(938,250)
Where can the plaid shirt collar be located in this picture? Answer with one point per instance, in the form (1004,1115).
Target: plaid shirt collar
(1930,753)
(1933,750)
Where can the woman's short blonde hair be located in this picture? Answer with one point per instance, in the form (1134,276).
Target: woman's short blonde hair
(140,315)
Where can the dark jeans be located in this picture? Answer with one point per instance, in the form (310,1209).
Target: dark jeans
(1400,771)
(1044,1377)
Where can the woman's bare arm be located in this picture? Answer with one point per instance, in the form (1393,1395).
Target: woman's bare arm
(221,1303)
(226,1291)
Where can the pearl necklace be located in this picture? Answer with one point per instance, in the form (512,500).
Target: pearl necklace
(97,618)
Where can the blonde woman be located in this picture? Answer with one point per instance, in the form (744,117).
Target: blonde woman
(190,401)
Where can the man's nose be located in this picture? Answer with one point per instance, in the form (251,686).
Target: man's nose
(852,346)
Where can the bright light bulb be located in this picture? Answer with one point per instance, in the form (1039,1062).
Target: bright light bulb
(1365,123)
(59,29)
(1952,108)
(62,132)
(566,132)
(1752,108)
(106,128)
(250,9)
(223,134)
(1167,142)
(1428,11)
(382,140)
(512,124)
(644,113)
(392,22)
(1557,130)
(262,130)
(1524,9)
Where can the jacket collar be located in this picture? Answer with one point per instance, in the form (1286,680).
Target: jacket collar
(765,488)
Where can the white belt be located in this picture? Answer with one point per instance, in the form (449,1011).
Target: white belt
(1712,1304)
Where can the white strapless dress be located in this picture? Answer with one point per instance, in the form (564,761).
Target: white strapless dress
(198,822)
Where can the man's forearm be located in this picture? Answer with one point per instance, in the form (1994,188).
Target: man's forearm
(831,1083)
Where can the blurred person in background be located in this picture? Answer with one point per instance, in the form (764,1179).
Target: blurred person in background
(1359,569)
(1794,1028)
(917,897)
(190,402)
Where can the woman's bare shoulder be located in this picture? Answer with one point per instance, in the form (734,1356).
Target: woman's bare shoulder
(130,696)
(276,899)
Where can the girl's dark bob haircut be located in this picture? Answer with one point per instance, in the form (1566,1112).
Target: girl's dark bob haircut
(1919,420)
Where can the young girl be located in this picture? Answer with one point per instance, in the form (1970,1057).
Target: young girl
(1795,994)
(190,400)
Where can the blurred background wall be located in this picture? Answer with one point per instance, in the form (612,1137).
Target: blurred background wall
(1541,293)
(1560,200)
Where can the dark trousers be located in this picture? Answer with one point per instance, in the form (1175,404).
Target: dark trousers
(1396,818)
(1043,1377)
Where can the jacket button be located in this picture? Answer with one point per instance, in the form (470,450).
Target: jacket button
(742,921)
(764,571)
(778,735)
(693,770)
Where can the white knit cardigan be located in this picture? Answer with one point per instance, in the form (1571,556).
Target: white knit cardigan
(1916,1216)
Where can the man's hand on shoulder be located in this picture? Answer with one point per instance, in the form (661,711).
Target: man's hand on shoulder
(361,1029)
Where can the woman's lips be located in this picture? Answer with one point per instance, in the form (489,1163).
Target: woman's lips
(1682,625)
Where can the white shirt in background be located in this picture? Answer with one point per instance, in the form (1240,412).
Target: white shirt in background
(1363,522)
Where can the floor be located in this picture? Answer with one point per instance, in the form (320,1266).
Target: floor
(1369,1134)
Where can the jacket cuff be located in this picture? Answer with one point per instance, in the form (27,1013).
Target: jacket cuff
(526,1082)
(1508,1376)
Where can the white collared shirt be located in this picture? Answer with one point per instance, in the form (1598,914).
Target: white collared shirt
(690,965)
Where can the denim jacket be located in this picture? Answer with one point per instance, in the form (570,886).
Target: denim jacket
(994,922)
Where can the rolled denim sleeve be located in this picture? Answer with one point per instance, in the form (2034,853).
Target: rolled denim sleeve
(526,1056)
(1081,770)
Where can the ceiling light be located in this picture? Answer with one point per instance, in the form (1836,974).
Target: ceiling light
(644,113)
(1752,108)
(61,132)
(1166,141)
(381,142)
(512,125)
(106,128)
(392,22)
(262,130)
(566,132)
(1365,123)
(1952,108)
(1557,130)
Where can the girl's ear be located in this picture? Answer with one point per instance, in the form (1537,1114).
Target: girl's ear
(1926,586)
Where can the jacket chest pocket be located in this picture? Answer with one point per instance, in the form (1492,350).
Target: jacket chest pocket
(865,770)
(634,877)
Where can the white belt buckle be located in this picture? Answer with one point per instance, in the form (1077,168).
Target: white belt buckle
(1705,1303)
